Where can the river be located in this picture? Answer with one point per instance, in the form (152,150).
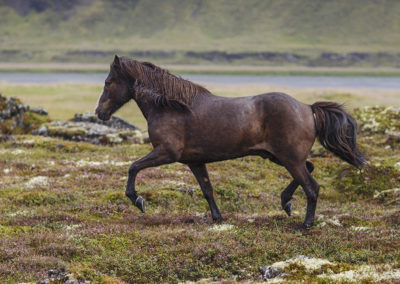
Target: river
(356,82)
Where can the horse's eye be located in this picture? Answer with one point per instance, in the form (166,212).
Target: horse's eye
(107,83)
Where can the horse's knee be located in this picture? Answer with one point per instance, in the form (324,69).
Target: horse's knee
(132,169)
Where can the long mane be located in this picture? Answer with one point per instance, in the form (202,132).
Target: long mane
(165,88)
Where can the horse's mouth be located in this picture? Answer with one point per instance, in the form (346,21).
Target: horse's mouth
(103,115)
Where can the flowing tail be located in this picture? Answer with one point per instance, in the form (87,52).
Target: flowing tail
(337,132)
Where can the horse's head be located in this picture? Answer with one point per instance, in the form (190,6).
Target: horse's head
(116,92)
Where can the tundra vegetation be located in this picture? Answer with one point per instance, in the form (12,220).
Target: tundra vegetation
(63,205)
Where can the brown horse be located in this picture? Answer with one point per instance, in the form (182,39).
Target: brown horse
(188,124)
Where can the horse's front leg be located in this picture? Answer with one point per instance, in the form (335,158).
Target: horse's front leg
(200,172)
(287,194)
(159,156)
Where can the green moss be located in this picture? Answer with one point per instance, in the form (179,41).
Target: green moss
(297,271)
(34,198)
(34,120)
(57,145)
(117,197)
(12,231)
(67,132)
(349,221)
(7,126)
(30,121)
(362,183)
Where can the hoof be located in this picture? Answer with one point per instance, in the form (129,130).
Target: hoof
(139,203)
(307,226)
(288,208)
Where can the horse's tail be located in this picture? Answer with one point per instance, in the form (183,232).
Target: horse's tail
(337,132)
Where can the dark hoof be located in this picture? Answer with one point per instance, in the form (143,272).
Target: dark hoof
(288,208)
(139,203)
(307,226)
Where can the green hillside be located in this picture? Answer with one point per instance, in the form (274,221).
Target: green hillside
(166,30)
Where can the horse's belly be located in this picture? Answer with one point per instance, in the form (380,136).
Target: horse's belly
(225,148)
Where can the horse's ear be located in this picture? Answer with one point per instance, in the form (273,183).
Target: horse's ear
(117,63)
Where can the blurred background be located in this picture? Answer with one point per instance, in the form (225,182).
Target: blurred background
(346,49)
(231,32)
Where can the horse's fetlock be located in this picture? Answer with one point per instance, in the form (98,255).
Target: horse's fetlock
(130,194)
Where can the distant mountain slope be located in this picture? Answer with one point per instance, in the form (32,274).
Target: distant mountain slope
(48,30)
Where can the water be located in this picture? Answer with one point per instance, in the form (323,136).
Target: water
(356,82)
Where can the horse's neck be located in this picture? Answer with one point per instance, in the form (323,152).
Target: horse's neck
(145,106)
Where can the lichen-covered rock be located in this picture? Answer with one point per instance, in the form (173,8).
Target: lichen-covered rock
(66,131)
(87,127)
(15,117)
(61,276)
(39,110)
(269,272)
(5,138)
(389,195)
(114,138)
(378,119)
(113,122)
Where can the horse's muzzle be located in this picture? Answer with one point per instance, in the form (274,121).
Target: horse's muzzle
(102,115)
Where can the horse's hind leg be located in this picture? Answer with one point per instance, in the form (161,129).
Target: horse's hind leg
(200,172)
(159,156)
(287,194)
(301,174)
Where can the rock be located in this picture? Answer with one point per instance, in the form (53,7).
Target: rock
(66,131)
(42,130)
(15,117)
(87,127)
(188,190)
(114,138)
(59,146)
(114,121)
(379,119)
(269,272)
(134,137)
(40,110)
(389,195)
(61,276)
(5,138)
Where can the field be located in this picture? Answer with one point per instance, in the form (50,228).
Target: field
(62,204)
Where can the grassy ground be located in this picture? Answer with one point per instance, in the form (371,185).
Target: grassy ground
(64,206)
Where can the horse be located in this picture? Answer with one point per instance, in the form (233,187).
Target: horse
(190,125)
